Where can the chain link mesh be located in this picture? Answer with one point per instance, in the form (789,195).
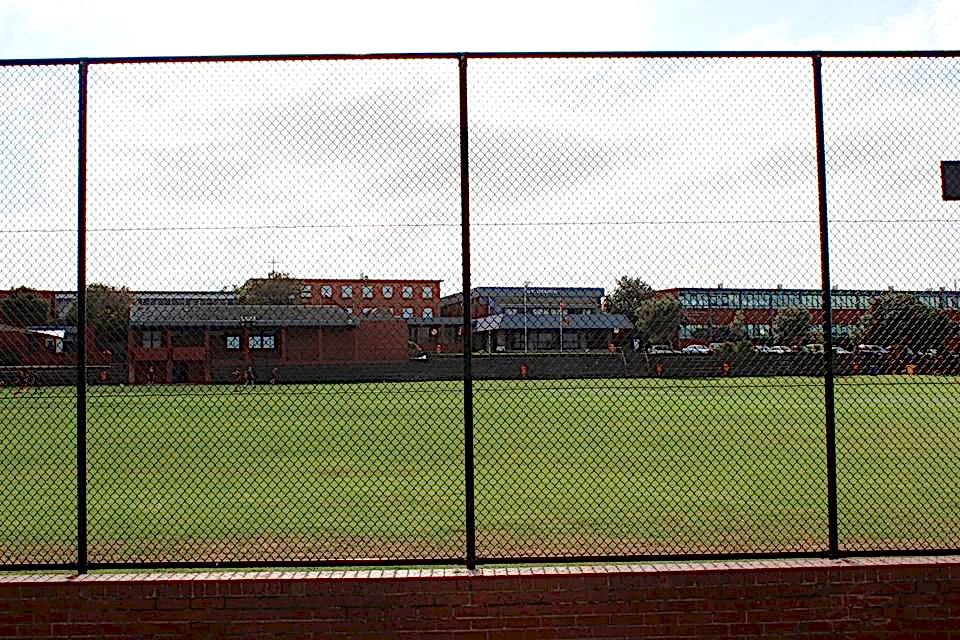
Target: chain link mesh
(890,122)
(38,245)
(275,306)
(238,192)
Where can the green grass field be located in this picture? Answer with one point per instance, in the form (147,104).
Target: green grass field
(307,472)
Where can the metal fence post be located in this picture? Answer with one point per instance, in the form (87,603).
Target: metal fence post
(828,377)
(82,323)
(467,330)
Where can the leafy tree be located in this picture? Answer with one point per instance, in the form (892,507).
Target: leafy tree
(734,338)
(657,320)
(276,288)
(628,296)
(792,326)
(24,308)
(108,312)
(901,319)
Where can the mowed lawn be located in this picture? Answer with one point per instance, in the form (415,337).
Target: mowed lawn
(310,472)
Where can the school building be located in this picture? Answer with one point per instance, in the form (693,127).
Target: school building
(706,310)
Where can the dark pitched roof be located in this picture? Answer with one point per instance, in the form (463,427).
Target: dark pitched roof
(236,315)
(574,321)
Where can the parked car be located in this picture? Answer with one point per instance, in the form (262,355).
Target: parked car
(713,346)
(840,351)
(662,348)
(779,348)
(812,348)
(695,348)
(871,349)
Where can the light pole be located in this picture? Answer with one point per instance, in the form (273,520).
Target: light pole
(526,283)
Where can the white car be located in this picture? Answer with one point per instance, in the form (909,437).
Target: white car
(871,348)
(661,348)
(840,351)
(695,348)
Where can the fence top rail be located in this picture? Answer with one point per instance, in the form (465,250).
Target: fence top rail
(945,53)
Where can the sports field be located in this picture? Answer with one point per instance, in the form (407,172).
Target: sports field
(300,472)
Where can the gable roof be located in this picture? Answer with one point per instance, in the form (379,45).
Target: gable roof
(237,315)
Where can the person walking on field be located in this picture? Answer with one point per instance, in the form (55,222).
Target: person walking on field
(237,379)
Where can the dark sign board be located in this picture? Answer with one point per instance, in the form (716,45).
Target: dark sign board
(950,175)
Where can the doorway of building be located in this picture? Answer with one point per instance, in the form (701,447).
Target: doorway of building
(181,372)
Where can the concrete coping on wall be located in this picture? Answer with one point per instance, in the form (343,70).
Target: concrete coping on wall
(665,568)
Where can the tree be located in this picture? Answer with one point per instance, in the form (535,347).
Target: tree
(276,288)
(657,320)
(628,296)
(792,326)
(901,319)
(24,308)
(108,313)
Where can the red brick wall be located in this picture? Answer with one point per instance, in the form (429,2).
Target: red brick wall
(907,598)
(382,341)
(395,303)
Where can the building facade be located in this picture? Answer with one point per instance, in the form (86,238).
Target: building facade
(191,344)
(406,299)
(552,319)
(708,310)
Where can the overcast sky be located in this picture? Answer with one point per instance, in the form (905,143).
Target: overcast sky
(683,172)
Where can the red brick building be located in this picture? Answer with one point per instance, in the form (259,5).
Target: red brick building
(705,310)
(405,299)
(201,344)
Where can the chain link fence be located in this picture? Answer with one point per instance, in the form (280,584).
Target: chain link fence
(477,308)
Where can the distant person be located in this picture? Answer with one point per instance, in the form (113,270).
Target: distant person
(275,375)
(151,375)
(23,383)
(250,377)
(237,379)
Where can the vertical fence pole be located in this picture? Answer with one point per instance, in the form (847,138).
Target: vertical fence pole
(828,376)
(82,323)
(467,329)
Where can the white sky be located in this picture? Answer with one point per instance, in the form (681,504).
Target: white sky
(685,173)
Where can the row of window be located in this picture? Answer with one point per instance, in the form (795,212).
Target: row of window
(366,291)
(808,300)
(546,311)
(406,313)
(258,342)
(753,330)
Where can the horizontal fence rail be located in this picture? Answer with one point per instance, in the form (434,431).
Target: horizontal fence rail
(476,308)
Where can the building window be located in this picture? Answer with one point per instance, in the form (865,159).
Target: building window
(262,342)
(408,312)
(407,292)
(515,340)
(326,291)
(754,300)
(811,300)
(757,330)
(545,340)
(233,343)
(387,291)
(346,291)
(367,291)
(692,330)
(427,292)
(691,300)
(428,312)
(781,300)
(152,339)
(306,291)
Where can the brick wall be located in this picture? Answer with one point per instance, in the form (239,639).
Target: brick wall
(866,598)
